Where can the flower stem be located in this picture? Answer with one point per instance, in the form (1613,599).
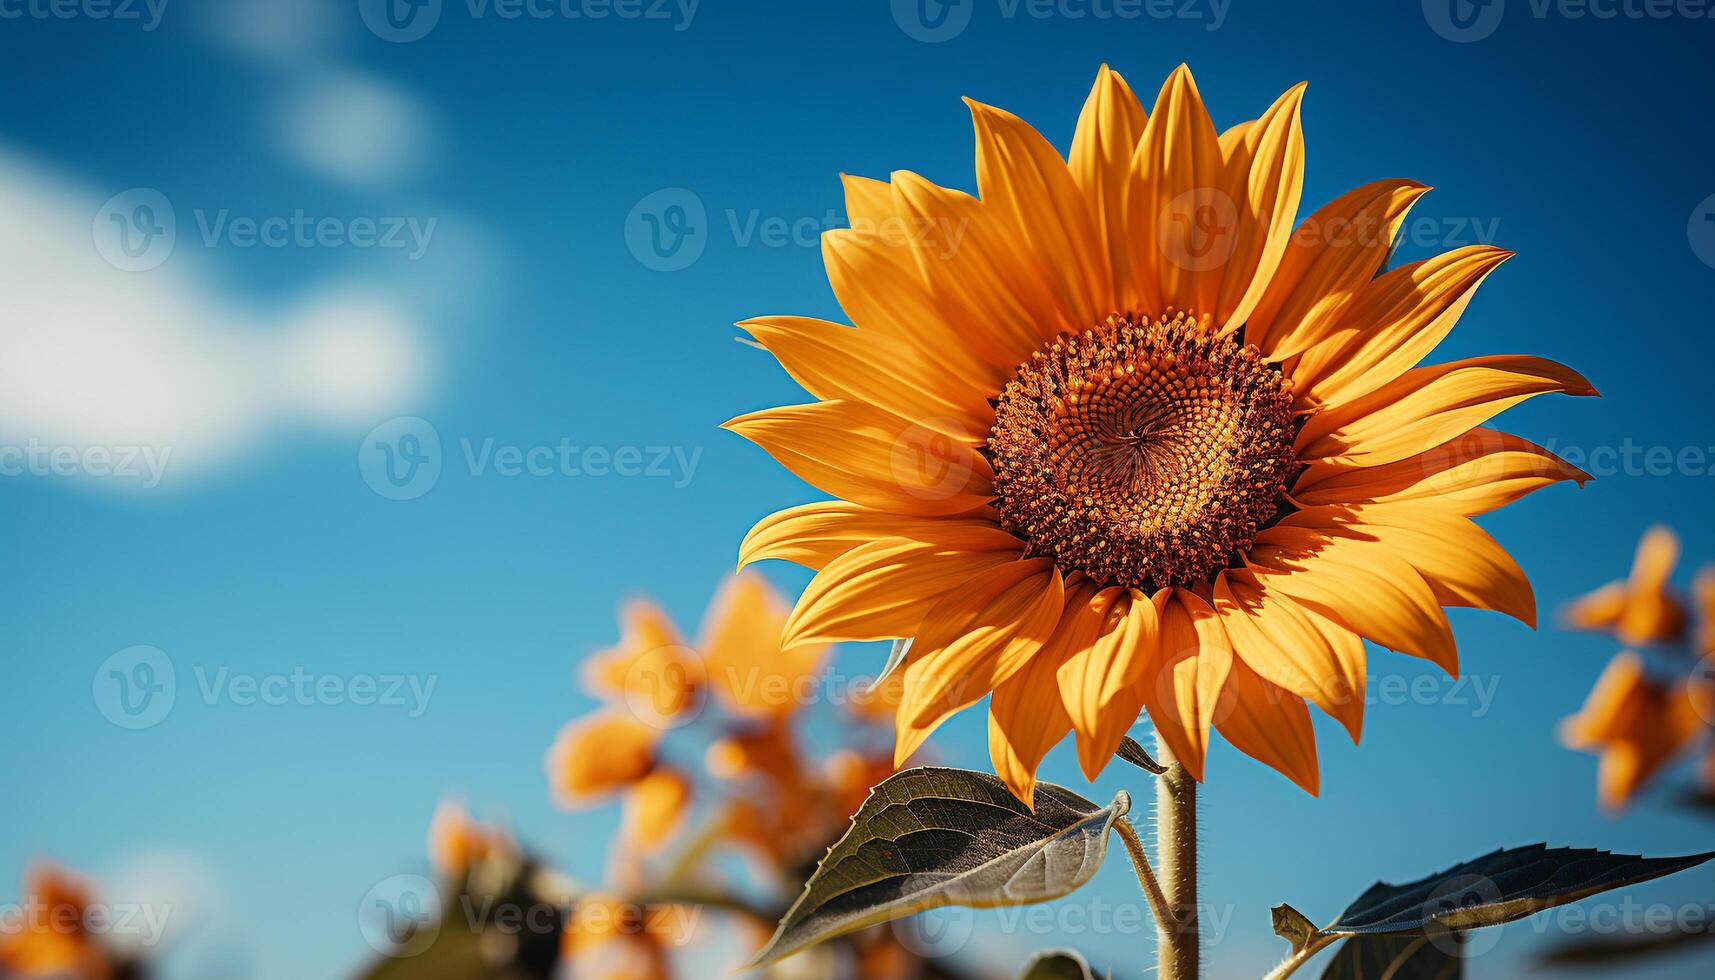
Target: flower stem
(1145,876)
(1176,860)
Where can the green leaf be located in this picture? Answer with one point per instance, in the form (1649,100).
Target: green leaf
(1057,964)
(1395,957)
(1506,885)
(1500,887)
(930,837)
(1133,753)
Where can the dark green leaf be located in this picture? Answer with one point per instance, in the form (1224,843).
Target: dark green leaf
(1133,753)
(1394,957)
(1057,964)
(929,837)
(1499,887)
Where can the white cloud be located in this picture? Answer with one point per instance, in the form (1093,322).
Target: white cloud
(270,30)
(352,128)
(94,357)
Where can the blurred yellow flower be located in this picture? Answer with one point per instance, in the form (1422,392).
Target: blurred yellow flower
(1634,724)
(610,939)
(1703,592)
(49,938)
(457,843)
(1130,442)
(651,669)
(1642,609)
(742,654)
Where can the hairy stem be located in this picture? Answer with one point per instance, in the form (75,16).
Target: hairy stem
(1146,876)
(1176,857)
(1300,957)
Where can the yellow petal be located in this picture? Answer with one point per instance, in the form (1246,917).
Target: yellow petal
(863,454)
(869,202)
(1183,685)
(1330,259)
(840,363)
(1598,610)
(742,656)
(977,638)
(980,277)
(1652,614)
(1182,232)
(879,286)
(598,755)
(651,668)
(1358,585)
(1428,406)
(1102,684)
(1264,178)
(1392,325)
(1460,561)
(1277,638)
(1478,472)
(816,533)
(1108,131)
(1270,725)
(1026,717)
(883,589)
(655,807)
(1031,190)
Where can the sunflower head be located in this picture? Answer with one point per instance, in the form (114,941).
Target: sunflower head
(1142,454)
(1111,436)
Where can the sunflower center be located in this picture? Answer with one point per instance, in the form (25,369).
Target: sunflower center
(1141,453)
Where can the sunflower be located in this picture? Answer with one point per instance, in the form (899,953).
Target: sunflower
(1635,724)
(1110,436)
(1642,609)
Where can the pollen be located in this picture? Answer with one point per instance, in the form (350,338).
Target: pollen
(1144,453)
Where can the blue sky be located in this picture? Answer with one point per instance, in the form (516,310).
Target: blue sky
(452,229)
